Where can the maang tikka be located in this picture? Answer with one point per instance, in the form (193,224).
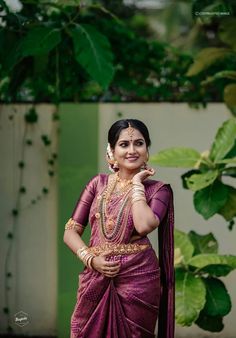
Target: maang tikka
(130,131)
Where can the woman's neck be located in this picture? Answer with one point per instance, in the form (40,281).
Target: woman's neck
(126,174)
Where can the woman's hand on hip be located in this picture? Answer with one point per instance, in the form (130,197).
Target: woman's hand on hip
(105,267)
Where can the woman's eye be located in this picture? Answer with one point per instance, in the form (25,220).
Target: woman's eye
(140,143)
(123,145)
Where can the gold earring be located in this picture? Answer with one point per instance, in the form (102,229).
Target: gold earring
(116,165)
(144,166)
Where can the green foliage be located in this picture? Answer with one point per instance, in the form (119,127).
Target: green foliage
(218,301)
(230,97)
(188,306)
(72,51)
(227,32)
(224,140)
(177,157)
(197,266)
(184,245)
(92,51)
(210,200)
(203,243)
(211,194)
(199,181)
(210,323)
(218,63)
(206,57)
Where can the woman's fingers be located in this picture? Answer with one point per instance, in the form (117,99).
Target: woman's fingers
(111,268)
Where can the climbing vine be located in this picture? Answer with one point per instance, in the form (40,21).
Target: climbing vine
(22,188)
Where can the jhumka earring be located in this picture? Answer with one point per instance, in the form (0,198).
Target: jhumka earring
(144,166)
(115,165)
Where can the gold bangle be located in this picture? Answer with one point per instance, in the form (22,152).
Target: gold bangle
(138,199)
(85,256)
(138,195)
(80,251)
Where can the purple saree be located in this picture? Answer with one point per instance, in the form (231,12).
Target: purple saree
(128,305)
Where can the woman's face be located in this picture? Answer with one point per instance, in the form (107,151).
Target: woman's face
(130,150)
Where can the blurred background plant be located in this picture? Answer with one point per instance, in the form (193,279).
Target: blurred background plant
(80,51)
(208,178)
(201,297)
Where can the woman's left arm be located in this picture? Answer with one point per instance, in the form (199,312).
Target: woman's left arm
(146,217)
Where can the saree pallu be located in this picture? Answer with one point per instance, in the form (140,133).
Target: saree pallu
(129,304)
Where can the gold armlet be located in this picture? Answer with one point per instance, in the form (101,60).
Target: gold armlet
(72,224)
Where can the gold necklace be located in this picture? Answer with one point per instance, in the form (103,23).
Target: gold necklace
(123,182)
(110,222)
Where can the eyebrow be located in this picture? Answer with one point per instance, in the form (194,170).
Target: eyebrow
(137,139)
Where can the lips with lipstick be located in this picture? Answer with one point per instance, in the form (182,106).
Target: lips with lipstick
(132,158)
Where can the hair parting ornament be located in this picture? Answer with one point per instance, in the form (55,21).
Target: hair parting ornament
(130,131)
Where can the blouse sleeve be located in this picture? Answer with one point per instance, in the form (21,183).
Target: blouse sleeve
(82,208)
(160,201)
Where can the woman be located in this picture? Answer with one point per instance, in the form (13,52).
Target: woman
(124,288)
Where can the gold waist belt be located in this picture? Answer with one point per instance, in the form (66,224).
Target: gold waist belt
(118,249)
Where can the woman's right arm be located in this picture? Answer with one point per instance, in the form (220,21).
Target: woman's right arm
(73,240)
(79,218)
(75,227)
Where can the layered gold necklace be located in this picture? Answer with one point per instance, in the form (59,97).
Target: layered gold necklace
(112,209)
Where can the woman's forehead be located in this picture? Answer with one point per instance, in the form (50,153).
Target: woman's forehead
(126,135)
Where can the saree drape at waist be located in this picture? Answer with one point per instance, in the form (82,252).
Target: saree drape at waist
(118,249)
(125,306)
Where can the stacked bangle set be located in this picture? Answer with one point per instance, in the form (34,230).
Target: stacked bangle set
(138,192)
(85,256)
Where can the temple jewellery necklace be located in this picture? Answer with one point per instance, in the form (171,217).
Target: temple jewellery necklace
(112,211)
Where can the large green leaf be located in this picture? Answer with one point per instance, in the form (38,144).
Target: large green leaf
(37,41)
(209,323)
(206,58)
(177,157)
(229,209)
(200,181)
(93,52)
(218,301)
(226,31)
(224,140)
(211,199)
(218,270)
(202,260)
(187,175)
(203,243)
(183,246)
(187,304)
(230,97)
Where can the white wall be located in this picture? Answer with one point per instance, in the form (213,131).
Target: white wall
(33,260)
(179,125)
